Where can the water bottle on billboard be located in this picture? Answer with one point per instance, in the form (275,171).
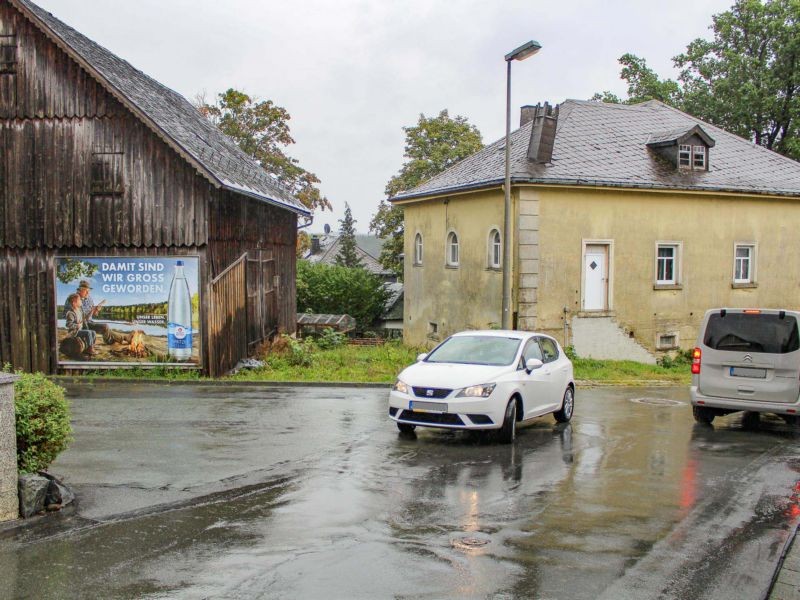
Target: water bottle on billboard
(179,316)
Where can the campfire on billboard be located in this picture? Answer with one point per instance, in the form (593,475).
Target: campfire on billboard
(136,348)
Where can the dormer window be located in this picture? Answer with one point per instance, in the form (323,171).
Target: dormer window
(699,154)
(686,149)
(685,156)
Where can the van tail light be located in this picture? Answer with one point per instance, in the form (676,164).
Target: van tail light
(697,356)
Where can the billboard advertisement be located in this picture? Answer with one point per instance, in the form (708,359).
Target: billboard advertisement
(127,311)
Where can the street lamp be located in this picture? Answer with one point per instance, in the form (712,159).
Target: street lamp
(521,53)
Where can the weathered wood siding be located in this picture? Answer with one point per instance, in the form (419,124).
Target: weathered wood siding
(227,324)
(237,226)
(27,302)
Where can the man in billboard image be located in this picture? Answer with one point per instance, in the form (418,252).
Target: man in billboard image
(76,329)
(90,310)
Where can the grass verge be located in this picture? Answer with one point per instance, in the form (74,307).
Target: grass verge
(381,364)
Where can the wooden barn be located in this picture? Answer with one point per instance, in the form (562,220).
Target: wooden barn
(114,189)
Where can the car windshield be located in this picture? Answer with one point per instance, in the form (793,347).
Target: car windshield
(476,350)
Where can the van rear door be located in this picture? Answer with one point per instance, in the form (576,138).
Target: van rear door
(751,355)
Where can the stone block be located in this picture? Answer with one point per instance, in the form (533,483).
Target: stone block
(526,323)
(529,237)
(32,494)
(529,267)
(528,223)
(527,296)
(528,281)
(529,207)
(9,504)
(528,251)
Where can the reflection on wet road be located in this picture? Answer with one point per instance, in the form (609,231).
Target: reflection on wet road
(630,500)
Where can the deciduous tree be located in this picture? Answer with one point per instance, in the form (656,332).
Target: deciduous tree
(261,129)
(432,145)
(745,80)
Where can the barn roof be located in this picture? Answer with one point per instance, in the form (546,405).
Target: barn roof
(168,114)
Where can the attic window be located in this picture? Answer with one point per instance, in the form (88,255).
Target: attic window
(699,157)
(685,156)
(8,54)
(107,174)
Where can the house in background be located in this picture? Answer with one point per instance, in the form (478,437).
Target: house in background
(104,166)
(324,249)
(629,222)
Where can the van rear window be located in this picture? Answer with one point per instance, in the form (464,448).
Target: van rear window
(739,332)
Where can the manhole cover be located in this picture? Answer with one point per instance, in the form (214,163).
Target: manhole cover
(657,401)
(469,542)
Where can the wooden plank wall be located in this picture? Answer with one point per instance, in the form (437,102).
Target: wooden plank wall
(227,325)
(238,225)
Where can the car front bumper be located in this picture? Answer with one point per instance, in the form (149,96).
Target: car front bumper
(735,404)
(460,413)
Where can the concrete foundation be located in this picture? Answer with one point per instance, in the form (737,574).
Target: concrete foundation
(9,500)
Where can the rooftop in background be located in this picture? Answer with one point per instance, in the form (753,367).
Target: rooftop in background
(605,145)
(168,114)
(368,248)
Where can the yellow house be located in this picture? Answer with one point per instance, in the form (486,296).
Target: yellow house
(629,222)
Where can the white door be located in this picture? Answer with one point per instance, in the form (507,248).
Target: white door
(595,267)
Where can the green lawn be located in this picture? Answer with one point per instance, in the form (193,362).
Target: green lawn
(381,364)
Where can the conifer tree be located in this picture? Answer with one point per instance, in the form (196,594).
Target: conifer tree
(348,255)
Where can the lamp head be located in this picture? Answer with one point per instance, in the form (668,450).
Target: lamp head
(527,49)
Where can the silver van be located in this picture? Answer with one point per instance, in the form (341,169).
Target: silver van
(746,359)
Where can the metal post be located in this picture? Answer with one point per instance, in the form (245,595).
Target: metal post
(506,315)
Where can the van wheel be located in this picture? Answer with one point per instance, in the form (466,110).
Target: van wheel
(508,431)
(406,428)
(703,415)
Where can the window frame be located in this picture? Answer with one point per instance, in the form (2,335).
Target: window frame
(687,149)
(677,268)
(451,243)
(419,249)
(751,263)
(110,166)
(703,154)
(495,249)
(8,45)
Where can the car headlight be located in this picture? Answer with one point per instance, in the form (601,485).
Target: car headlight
(477,391)
(401,387)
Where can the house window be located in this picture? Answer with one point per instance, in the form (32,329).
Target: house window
(685,156)
(418,249)
(699,157)
(744,260)
(8,54)
(107,177)
(494,249)
(668,256)
(667,341)
(452,249)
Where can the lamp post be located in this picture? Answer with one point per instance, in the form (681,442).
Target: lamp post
(521,53)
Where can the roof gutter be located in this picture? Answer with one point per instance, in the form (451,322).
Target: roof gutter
(600,183)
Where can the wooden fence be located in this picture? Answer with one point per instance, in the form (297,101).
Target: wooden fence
(227,308)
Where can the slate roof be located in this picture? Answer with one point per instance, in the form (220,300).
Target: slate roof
(169,114)
(606,145)
(368,248)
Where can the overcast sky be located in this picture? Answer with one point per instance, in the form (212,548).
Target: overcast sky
(352,73)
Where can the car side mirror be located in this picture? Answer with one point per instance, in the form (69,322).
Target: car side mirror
(421,357)
(533,364)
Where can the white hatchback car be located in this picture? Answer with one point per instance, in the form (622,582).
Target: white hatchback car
(485,380)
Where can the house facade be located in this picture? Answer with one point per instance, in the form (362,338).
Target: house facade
(629,223)
(113,185)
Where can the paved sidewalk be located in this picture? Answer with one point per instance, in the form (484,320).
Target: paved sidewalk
(787,585)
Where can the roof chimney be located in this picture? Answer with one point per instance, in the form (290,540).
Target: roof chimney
(315,245)
(527,113)
(543,133)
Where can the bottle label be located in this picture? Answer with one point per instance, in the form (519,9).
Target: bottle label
(178,336)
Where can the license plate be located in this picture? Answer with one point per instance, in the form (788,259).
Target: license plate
(427,406)
(748,372)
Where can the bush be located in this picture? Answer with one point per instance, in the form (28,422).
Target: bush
(570,352)
(329,338)
(43,427)
(681,358)
(330,289)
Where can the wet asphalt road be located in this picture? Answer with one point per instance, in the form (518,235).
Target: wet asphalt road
(246,492)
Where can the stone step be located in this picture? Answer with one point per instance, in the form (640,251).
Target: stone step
(603,338)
